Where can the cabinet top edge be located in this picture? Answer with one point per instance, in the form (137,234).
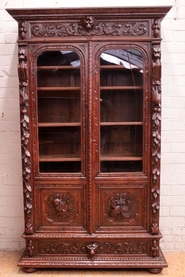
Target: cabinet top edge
(51,13)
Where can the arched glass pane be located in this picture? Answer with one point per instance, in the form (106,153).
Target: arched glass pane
(59,116)
(121,110)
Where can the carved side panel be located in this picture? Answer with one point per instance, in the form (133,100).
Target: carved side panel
(25,137)
(156,136)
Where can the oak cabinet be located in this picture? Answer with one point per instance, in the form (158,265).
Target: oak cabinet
(90,109)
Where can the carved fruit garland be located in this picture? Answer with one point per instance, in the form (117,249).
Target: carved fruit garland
(24,104)
(156,137)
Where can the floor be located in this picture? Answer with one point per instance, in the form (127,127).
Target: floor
(8,268)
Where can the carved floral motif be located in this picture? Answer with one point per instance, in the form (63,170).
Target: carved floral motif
(30,248)
(121,206)
(89,26)
(22,29)
(156,28)
(61,207)
(24,105)
(94,248)
(156,135)
(155,248)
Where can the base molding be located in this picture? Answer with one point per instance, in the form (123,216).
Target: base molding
(153,265)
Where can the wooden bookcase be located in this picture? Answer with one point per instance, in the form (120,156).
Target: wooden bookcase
(90,110)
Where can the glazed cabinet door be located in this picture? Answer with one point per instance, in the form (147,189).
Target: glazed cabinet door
(60,139)
(121,138)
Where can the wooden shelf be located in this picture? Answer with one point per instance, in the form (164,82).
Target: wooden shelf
(56,67)
(58,88)
(59,158)
(121,87)
(121,66)
(119,158)
(132,123)
(59,124)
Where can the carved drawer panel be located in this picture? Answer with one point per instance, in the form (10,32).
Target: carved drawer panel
(121,207)
(60,207)
(91,248)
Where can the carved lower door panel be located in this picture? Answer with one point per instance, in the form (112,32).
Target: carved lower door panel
(121,209)
(62,209)
(90,104)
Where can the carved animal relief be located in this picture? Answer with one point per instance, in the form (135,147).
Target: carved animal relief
(121,206)
(61,207)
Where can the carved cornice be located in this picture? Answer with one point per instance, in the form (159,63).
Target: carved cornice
(156,135)
(24,106)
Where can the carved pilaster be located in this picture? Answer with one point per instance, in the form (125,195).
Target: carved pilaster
(24,106)
(156,136)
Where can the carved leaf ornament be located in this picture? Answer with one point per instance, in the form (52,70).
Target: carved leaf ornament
(89,26)
(156,126)
(24,105)
(92,248)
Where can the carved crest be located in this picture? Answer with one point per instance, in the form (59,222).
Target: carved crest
(88,23)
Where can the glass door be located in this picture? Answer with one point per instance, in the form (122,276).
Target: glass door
(59,111)
(121,110)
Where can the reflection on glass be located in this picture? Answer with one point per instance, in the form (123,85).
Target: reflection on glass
(121,110)
(59,105)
